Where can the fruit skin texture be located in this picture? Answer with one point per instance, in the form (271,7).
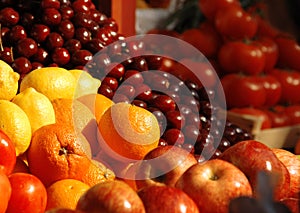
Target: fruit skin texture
(28,194)
(5,189)
(251,157)
(292,163)
(8,81)
(111,197)
(157,198)
(8,153)
(212,184)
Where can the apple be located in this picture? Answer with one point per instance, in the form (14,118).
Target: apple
(114,196)
(163,198)
(253,157)
(7,153)
(297,148)
(213,184)
(292,164)
(292,203)
(5,189)
(28,194)
(163,165)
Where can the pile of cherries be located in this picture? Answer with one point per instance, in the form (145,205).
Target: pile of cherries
(60,33)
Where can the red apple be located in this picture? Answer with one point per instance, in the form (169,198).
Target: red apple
(28,194)
(252,157)
(111,197)
(5,190)
(292,203)
(7,153)
(162,198)
(292,163)
(163,165)
(213,184)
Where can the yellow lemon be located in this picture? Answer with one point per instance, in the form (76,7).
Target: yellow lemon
(54,82)
(8,81)
(37,106)
(15,123)
(86,84)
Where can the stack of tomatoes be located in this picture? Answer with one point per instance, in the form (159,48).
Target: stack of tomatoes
(258,64)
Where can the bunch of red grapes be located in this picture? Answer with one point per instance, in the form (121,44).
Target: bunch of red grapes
(74,34)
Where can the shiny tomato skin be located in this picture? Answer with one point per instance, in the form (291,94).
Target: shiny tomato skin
(5,190)
(293,111)
(290,84)
(289,52)
(266,121)
(239,56)
(235,23)
(270,49)
(278,116)
(209,8)
(244,91)
(7,153)
(273,89)
(28,194)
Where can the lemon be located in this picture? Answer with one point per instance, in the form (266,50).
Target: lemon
(86,84)
(37,107)
(15,123)
(54,82)
(8,81)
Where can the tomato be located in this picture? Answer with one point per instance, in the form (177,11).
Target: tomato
(28,194)
(240,56)
(293,111)
(289,52)
(235,23)
(5,190)
(243,91)
(290,84)
(210,7)
(7,153)
(270,49)
(278,116)
(266,121)
(205,39)
(273,89)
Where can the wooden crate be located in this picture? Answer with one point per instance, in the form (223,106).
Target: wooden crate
(281,137)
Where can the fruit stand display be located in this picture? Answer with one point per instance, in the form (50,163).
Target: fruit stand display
(96,119)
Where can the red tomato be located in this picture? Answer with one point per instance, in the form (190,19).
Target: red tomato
(289,52)
(293,111)
(273,89)
(7,153)
(278,116)
(210,7)
(266,121)
(235,23)
(270,49)
(290,84)
(5,190)
(239,56)
(243,91)
(205,39)
(28,194)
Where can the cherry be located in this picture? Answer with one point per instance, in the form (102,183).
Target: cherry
(138,63)
(72,45)
(50,4)
(164,103)
(27,20)
(61,56)
(140,103)
(54,40)
(97,16)
(94,45)
(173,136)
(224,144)
(17,33)
(66,12)
(133,77)
(39,32)
(111,82)
(81,57)
(9,16)
(175,119)
(126,90)
(26,47)
(22,65)
(36,65)
(191,134)
(51,16)
(66,29)
(80,6)
(115,70)
(7,55)
(143,92)
(106,91)
(83,35)
(41,56)
(104,34)
(83,20)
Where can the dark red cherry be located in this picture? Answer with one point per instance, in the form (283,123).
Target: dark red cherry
(111,82)
(66,12)
(9,16)
(164,103)
(17,33)
(41,56)
(66,29)
(81,57)
(51,16)
(26,47)
(54,40)
(39,32)
(173,136)
(22,65)
(72,45)
(50,4)
(175,119)
(7,55)
(61,56)
(94,45)
(83,35)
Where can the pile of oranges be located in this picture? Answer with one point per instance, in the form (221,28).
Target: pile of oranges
(62,131)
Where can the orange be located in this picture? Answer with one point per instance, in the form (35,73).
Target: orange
(74,113)
(128,132)
(65,193)
(97,173)
(57,153)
